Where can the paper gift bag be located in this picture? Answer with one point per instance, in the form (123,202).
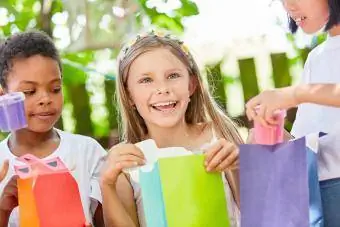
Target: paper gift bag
(48,194)
(279,184)
(178,192)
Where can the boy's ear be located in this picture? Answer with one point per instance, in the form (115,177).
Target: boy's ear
(192,84)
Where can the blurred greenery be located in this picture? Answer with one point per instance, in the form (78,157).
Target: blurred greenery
(87,30)
(85,40)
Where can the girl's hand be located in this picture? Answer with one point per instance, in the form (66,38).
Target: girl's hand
(222,156)
(267,102)
(120,157)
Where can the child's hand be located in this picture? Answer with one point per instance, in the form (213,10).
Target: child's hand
(268,102)
(9,196)
(222,156)
(4,170)
(121,157)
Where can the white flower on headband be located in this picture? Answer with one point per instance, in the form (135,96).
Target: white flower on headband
(159,33)
(185,49)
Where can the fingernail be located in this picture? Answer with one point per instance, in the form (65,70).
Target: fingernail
(208,169)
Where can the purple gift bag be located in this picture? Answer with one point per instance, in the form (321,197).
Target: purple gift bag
(279,184)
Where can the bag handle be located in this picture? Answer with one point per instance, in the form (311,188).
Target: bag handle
(36,166)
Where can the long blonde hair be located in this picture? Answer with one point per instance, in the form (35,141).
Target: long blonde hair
(202,107)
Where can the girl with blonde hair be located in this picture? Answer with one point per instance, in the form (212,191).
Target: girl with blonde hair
(161,96)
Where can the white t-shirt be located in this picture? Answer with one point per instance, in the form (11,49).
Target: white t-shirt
(83,155)
(322,66)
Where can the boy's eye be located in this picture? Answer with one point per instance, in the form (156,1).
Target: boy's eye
(174,75)
(29,92)
(145,80)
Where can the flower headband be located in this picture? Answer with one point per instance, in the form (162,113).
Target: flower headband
(139,37)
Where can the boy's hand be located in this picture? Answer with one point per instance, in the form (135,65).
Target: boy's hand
(9,195)
(4,170)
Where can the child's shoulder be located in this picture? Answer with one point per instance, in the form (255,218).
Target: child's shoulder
(317,51)
(75,137)
(79,142)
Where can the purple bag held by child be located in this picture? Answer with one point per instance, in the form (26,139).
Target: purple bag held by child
(279,184)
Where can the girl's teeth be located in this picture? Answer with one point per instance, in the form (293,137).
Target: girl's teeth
(299,19)
(165,104)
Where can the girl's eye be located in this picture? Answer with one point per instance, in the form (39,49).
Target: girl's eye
(145,80)
(56,89)
(174,75)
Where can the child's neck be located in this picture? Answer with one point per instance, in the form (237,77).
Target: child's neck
(39,144)
(334,31)
(182,135)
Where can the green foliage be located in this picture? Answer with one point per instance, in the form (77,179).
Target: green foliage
(73,67)
(24,15)
(172,22)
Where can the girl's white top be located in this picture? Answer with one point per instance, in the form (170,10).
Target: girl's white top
(322,67)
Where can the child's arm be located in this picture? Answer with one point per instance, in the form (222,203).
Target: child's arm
(98,218)
(4,170)
(119,206)
(8,197)
(288,97)
(323,94)
(4,217)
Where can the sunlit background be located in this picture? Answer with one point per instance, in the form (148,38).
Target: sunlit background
(219,33)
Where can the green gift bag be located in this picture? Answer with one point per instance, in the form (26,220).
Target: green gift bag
(178,192)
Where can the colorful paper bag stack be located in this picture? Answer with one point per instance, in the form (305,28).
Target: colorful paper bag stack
(48,194)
